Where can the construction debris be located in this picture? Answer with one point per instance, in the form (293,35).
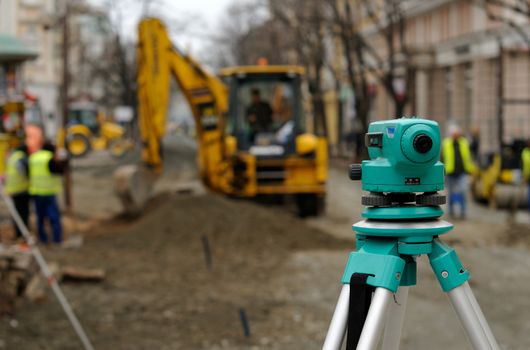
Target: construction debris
(17,269)
(20,277)
(36,289)
(73,242)
(77,274)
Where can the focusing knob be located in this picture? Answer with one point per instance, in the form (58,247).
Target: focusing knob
(375,200)
(430,199)
(422,143)
(355,172)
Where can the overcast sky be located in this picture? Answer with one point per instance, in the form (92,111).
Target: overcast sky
(190,21)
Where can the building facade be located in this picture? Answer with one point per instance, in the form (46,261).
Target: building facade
(38,23)
(27,20)
(467,69)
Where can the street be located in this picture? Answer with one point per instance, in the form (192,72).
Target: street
(281,271)
(184,169)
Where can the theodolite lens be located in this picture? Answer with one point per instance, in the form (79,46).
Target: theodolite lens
(422,143)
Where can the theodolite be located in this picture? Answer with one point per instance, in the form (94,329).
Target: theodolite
(403,178)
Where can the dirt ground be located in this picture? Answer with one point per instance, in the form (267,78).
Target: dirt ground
(282,271)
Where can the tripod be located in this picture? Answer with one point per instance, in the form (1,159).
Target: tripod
(378,275)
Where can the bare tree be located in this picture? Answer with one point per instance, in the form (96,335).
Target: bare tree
(306,20)
(344,25)
(392,68)
(283,32)
(506,12)
(232,42)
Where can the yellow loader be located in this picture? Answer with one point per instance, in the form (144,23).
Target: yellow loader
(89,130)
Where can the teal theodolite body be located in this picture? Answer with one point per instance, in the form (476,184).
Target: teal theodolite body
(404,168)
(402,221)
(404,157)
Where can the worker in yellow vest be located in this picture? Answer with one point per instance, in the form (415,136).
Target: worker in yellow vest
(44,182)
(526,168)
(17,184)
(456,156)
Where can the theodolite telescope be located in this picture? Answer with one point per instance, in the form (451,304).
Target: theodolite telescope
(404,168)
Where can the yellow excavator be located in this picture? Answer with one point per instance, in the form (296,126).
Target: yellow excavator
(499,182)
(249,127)
(89,130)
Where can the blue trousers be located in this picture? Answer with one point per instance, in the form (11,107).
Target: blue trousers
(528,198)
(47,209)
(21,201)
(457,188)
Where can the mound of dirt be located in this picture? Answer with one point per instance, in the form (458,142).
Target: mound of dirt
(159,292)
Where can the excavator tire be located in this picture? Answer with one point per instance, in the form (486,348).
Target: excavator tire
(510,196)
(78,145)
(309,204)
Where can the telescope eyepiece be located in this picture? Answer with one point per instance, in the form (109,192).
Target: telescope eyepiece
(355,172)
(422,143)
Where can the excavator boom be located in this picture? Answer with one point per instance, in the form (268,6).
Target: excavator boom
(158,60)
(237,153)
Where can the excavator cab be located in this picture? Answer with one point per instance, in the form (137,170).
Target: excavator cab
(265,109)
(274,154)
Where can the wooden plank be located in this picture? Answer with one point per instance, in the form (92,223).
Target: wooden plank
(72,273)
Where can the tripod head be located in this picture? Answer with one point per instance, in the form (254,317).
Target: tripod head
(404,171)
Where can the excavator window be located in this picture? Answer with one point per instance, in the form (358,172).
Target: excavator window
(265,110)
(86,117)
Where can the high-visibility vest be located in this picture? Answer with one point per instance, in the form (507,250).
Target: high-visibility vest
(42,182)
(526,163)
(16,182)
(448,155)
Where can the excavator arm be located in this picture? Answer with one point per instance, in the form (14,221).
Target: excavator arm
(158,60)
(207,96)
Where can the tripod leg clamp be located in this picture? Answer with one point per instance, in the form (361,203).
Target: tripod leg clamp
(446,266)
(383,271)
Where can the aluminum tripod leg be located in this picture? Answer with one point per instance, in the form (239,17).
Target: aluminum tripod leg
(472,318)
(375,321)
(339,321)
(394,320)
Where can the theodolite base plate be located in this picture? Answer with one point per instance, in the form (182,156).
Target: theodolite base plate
(400,228)
(403,212)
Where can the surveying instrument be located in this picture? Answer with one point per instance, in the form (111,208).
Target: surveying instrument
(402,221)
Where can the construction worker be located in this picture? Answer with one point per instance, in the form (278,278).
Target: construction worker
(17,184)
(44,181)
(259,114)
(526,168)
(475,143)
(456,156)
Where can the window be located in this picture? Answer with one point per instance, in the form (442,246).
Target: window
(265,109)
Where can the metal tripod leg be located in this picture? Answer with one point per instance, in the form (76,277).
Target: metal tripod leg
(337,328)
(394,320)
(472,318)
(375,321)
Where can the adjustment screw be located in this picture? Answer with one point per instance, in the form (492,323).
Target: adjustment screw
(355,172)
(445,274)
